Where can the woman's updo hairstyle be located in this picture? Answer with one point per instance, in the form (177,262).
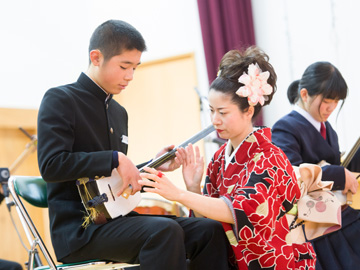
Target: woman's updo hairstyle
(234,64)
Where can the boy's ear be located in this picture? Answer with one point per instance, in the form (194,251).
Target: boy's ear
(95,57)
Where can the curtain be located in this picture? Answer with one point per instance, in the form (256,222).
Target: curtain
(225,25)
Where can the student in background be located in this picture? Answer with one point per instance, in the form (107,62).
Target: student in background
(306,136)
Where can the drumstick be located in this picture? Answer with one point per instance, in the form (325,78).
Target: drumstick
(349,197)
(127,192)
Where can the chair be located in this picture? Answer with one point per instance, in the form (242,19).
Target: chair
(33,190)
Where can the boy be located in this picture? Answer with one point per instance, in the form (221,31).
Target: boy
(82,132)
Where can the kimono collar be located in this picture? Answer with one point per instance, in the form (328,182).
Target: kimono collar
(94,88)
(229,153)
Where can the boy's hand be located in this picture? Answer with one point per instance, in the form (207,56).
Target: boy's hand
(172,164)
(129,174)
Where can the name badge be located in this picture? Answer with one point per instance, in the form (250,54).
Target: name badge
(124,139)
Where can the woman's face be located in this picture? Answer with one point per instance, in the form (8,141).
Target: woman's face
(229,122)
(320,109)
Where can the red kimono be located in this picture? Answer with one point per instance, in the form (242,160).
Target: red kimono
(258,184)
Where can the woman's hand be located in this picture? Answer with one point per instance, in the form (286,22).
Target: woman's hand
(192,167)
(160,185)
(214,208)
(351,184)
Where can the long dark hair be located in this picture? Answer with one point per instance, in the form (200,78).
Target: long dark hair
(320,78)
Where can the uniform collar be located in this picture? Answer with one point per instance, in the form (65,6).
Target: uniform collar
(308,117)
(94,88)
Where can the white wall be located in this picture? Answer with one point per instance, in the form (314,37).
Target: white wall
(297,33)
(44,44)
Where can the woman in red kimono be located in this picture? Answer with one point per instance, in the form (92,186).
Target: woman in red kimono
(250,183)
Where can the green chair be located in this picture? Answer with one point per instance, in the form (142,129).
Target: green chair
(33,190)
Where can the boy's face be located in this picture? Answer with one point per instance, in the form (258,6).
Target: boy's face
(115,74)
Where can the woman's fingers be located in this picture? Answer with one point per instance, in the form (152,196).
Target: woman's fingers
(199,158)
(190,153)
(181,155)
(150,174)
(153,172)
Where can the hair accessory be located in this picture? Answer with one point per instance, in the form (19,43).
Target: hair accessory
(159,174)
(255,85)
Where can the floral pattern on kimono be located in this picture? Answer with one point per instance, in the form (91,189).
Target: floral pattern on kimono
(259,186)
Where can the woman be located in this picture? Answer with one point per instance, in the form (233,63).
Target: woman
(298,134)
(250,184)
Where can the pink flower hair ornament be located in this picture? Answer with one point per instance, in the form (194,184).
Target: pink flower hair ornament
(255,86)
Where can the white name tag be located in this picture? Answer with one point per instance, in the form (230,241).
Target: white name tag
(124,139)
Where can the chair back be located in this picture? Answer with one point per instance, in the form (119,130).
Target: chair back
(32,189)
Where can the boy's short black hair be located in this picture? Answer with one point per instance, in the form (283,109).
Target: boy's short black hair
(114,37)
